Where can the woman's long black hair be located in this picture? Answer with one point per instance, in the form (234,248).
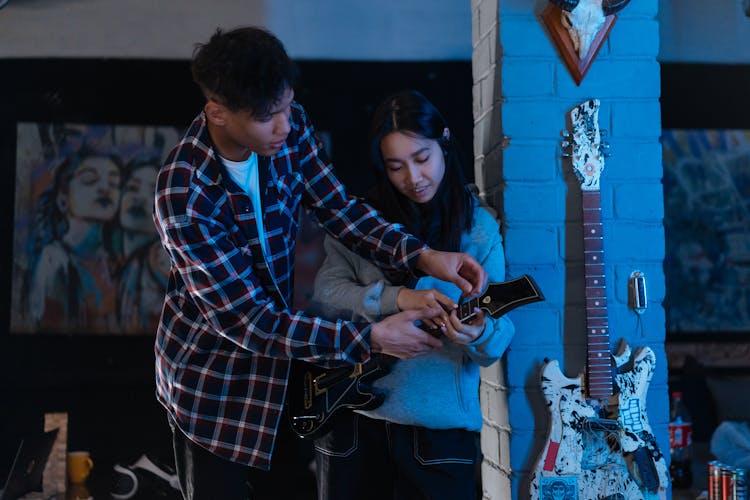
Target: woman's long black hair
(440,222)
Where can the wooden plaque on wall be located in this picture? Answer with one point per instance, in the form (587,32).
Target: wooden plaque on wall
(578,67)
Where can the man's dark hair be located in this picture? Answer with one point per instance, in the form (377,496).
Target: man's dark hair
(243,69)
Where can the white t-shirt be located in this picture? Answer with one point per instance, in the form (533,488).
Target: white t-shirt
(245,174)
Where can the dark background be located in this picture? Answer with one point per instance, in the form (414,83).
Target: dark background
(705,96)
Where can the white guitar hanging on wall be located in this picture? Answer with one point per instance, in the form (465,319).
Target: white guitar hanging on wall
(600,444)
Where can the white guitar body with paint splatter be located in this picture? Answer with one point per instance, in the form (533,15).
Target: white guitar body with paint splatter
(600,443)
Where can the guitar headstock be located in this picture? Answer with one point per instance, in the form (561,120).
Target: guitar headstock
(585,143)
(499,298)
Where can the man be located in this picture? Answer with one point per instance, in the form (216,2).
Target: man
(226,208)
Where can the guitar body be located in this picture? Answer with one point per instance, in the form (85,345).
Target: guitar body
(591,460)
(600,444)
(319,393)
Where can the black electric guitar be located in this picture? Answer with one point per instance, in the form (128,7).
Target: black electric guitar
(316,393)
(600,444)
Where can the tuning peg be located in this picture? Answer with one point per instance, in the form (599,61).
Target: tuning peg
(603,132)
(565,133)
(607,154)
(604,145)
(565,144)
(566,155)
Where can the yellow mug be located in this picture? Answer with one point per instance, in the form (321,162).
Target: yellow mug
(79,466)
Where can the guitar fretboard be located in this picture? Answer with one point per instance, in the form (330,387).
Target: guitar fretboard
(599,369)
(466,310)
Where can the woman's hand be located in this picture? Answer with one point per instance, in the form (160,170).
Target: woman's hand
(421,299)
(463,333)
(426,299)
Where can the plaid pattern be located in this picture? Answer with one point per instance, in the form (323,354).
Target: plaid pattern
(225,337)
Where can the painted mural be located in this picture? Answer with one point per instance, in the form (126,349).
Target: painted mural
(86,254)
(707,226)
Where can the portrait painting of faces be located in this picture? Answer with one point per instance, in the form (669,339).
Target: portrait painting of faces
(86,255)
(707,229)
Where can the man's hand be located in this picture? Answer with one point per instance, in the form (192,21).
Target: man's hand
(459,268)
(398,336)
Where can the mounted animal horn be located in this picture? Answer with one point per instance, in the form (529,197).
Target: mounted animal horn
(566,5)
(610,7)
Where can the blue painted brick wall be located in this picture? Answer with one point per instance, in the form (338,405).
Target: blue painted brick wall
(532,243)
(543,215)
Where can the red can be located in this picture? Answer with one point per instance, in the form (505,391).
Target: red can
(714,480)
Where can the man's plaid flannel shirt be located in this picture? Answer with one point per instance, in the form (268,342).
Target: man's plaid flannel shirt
(225,337)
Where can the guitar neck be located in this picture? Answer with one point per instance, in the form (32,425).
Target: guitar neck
(466,310)
(599,372)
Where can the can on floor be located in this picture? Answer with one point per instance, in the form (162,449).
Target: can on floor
(714,480)
(727,482)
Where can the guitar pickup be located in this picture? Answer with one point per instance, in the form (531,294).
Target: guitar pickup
(602,424)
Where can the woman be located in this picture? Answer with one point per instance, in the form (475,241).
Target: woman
(423,442)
